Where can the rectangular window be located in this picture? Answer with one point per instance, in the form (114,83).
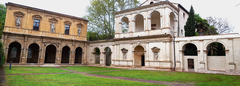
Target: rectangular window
(36,24)
(67,29)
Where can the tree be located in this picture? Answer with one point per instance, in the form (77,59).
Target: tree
(2,22)
(222,25)
(202,26)
(102,19)
(190,25)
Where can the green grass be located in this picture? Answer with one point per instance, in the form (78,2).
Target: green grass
(24,70)
(68,80)
(90,69)
(197,79)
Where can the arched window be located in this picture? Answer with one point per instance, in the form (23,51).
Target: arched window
(155,20)
(190,50)
(125,25)
(139,23)
(216,49)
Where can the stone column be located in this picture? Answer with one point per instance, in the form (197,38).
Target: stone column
(181,59)
(58,56)
(43,52)
(149,27)
(161,22)
(133,26)
(230,64)
(175,27)
(205,61)
(6,54)
(120,27)
(72,58)
(23,59)
(39,55)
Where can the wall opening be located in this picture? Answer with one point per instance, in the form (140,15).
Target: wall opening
(139,57)
(65,54)
(78,55)
(50,54)
(33,53)
(108,54)
(172,28)
(190,50)
(191,64)
(125,25)
(14,52)
(216,49)
(139,23)
(155,20)
(97,56)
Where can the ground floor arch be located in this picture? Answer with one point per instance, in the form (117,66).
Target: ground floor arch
(139,57)
(97,55)
(65,54)
(190,50)
(78,55)
(108,54)
(33,53)
(50,54)
(216,56)
(14,52)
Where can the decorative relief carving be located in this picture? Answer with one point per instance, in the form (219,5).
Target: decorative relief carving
(37,17)
(67,23)
(124,51)
(53,20)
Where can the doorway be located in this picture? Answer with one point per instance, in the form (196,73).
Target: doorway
(190,64)
(143,60)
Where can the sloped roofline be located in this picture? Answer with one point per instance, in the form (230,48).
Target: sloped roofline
(37,9)
(152,5)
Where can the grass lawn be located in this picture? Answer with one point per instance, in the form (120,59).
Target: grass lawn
(90,69)
(24,70)
(68,80)
(197,79)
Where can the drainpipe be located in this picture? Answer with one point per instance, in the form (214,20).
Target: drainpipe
(178,21)
(174,67)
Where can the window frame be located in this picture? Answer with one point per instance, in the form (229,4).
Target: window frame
(67,29)
(34,27)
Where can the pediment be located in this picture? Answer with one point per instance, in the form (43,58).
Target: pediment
(54,20)
(155,49)
(67,23)
(37,17)
(124,50)
(19,14)
(80,25)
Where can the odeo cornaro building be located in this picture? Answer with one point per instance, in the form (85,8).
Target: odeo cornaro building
(33,35)
(149,36)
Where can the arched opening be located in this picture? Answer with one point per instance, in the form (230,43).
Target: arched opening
(139,57)
(50,54)
(97,55)
(125,25)
(78,55)
(14,52)
(190,50)
(139,23)
(216,56)
(216,49)
(155,20)
(108,53)
(33,52)
(65,54)
(172,28)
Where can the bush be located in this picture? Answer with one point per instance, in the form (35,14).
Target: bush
(2,56)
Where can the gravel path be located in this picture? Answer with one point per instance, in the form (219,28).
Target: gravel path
(2,77)
(130,79)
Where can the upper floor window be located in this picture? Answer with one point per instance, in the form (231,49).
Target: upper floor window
(36,24)
(184,15)
(67,27)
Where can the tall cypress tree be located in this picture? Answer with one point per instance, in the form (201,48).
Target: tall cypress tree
(190,25)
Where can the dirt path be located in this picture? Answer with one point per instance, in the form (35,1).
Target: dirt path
(130,79)
(2,77)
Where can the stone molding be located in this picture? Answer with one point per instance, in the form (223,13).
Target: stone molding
(155,49)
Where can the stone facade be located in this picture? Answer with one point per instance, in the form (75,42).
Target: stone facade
(19,38)
(150,36)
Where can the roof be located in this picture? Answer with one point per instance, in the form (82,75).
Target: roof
(37,9)
(142,7)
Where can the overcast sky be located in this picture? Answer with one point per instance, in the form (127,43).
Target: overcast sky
(215,8)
